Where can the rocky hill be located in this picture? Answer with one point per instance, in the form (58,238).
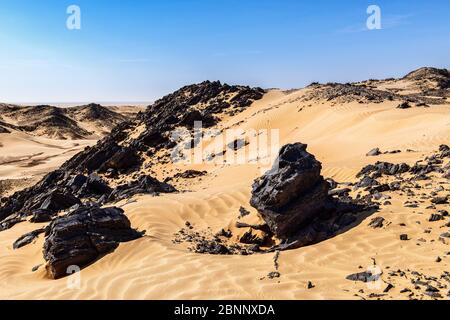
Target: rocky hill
(93,174)
(60,123)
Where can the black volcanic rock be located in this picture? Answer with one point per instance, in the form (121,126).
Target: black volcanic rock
(57,201)
(83,236)
(404,105)
(295,202)
(384,168)
(292,193)
(144,185)
(27,238)
(94,186)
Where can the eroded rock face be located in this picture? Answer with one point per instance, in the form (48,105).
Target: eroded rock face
(292,193)
(83,236)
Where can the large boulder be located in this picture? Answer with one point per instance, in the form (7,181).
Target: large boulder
(292,193)
(83,236)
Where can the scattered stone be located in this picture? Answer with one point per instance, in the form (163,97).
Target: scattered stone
(439,200)
(250,238)
(365,276)
(190,174)
(144,185)
(404,237)
(404,105)
(377,222)
(388,288)
(36,268)
(435,217)
(243,212)
(339,192)
(274,275)
(374,152)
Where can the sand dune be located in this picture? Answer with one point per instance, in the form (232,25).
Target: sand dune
(153,267)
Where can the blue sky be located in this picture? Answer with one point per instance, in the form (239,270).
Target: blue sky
(140,50)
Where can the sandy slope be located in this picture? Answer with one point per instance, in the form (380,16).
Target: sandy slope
(23,156)
(155,268)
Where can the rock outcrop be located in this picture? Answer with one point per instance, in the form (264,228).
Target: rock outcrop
(292,193)
(83,236)
(295,202)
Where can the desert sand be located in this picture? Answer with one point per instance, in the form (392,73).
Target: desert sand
(339,134)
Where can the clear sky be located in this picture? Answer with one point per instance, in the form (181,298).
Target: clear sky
(139,50)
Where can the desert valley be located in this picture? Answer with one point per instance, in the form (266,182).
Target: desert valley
(356,207)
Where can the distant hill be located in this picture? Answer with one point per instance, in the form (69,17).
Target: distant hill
(80,122)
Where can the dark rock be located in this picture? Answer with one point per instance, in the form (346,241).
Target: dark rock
(227,234)
(94,186)
(310,285)
(331,183)
(366,276)
(404,105)
(274,275)
(10,222)
(339,192)
(292,193)
(36,268)
(41,216)
(57,201)
(123,159)
(211,247)
(83,236)
(144,185)
(367,182)
(435,217)
(388,288)
(440,200)
(384,168)
(27,238)
(250,238)
(377,222)
(374,152)
(404,237)
(76,182)
(191,174)
(243,212)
